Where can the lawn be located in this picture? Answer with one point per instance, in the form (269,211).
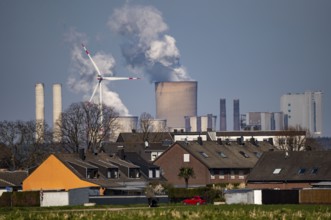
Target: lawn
(172,212)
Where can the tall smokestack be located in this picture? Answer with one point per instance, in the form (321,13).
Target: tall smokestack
(236,115)
(174,101)
(40,112)
(57,110)
(222,115)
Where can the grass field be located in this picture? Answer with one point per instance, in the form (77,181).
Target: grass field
(142,212)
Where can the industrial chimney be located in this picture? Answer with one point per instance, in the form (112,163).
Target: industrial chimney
(236,115)
(222,115)
(57,110)
(174,101)
(40,112)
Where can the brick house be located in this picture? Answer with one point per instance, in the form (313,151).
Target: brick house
(290,170)
(212,161)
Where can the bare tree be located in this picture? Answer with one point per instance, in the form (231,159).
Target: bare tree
(23,144)
(293,139)
(145,122)
(81,126)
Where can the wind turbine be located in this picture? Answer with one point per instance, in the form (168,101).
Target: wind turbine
(100,77)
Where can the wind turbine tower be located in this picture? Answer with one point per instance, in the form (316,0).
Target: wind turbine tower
(100,78)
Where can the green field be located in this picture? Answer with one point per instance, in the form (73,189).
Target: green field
(172,212)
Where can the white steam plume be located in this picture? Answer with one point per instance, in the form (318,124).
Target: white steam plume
(147,48)
(83,77)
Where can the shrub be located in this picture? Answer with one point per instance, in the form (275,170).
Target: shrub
(20,199)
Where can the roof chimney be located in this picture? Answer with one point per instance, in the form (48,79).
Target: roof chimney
(81,152)
(200,140)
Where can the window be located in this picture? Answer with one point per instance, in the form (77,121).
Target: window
(154,155)
(150,173)
(258,154)
(301,170)
(204,154)
(244,154)
(277,170)
(92,173)
(157,173)
(221,154)
(232,175)
(314,170)
(186,157)
(222,174)
(241,175)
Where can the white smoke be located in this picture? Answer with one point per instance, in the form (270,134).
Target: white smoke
(147,49)
(83,77)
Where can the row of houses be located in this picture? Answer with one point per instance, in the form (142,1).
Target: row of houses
(136,159)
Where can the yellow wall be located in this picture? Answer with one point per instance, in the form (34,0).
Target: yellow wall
(52,174)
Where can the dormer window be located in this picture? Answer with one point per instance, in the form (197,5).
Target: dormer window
(92,173)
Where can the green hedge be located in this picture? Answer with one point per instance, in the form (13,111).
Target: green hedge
(20,199)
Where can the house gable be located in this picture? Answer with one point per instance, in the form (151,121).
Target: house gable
(52,174)
(175,158)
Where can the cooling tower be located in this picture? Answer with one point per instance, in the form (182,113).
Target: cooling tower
(127,123)
(159,125)
(57,110)
(124,124)
(174,101)
(40,111)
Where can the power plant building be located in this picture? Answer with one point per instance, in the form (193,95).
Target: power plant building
(264,121)
(158,125)
(304,110)
(125,124)
(200,123)
(174,101)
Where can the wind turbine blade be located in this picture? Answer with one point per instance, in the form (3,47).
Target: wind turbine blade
(95,89)
(119,78)
(89,56)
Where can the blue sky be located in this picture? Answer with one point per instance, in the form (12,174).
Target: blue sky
(252,50)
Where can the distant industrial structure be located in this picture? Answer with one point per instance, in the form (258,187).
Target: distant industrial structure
(200,123)
(176,110)
(174,101)
(236,115)
(40,111)
(265,121)
(57,111)
(304,110)
(222,114)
